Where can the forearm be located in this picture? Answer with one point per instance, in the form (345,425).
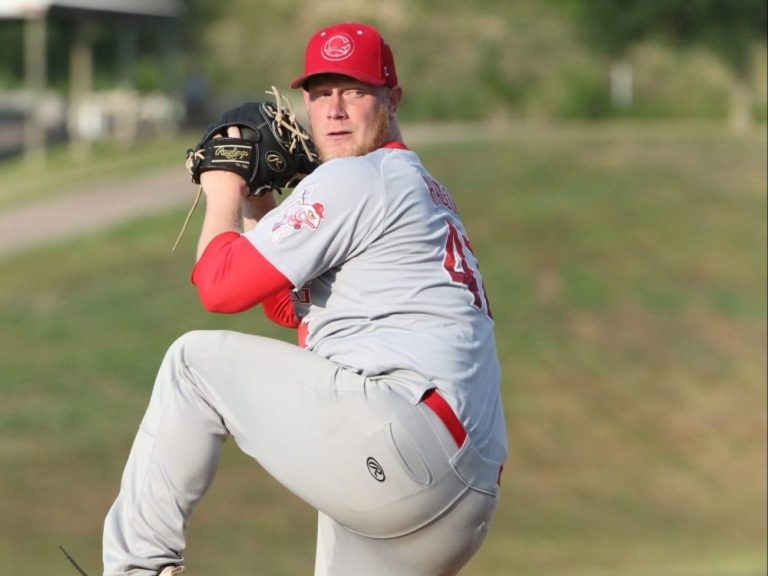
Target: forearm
(230,274)
(224,192)
(278,307)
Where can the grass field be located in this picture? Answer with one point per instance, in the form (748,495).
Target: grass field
(64,173)
(627,272)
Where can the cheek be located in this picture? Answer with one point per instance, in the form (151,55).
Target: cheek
(315,117)
(380,127)
(314,126)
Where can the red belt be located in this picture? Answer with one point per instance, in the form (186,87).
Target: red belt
(439,406)
(435,401)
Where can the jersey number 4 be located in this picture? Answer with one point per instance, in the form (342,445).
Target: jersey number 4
(460,269)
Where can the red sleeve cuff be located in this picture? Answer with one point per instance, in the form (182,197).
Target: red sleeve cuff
(232,276)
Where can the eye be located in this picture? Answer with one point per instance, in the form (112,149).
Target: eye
(318,94)
(354,93)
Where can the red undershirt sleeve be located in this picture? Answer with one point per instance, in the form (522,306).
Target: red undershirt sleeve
(232,276)
(279,308)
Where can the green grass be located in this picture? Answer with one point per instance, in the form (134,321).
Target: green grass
(64,171)
(626,267)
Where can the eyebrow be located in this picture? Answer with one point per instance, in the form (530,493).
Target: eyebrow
(337,80)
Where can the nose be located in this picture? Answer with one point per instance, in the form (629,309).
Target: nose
(336,107)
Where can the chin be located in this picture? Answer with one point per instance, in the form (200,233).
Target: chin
(326,155)
(333,152)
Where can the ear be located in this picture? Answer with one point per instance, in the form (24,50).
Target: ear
(393,99)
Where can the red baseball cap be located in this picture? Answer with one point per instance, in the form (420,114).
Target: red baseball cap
(352,49)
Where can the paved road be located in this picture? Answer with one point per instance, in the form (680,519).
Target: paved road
(96,208)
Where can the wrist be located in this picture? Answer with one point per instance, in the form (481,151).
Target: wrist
(223,182)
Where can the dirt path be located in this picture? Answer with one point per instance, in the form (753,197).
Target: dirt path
(96,208)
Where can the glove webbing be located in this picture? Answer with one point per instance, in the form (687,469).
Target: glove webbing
(286,118)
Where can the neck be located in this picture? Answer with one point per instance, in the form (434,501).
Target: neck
(394,134)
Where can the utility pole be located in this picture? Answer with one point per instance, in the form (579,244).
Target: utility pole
(81,119)
(35,63)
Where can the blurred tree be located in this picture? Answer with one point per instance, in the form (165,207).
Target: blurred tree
(11,52)
(731,29)
(104,37)
(196,17)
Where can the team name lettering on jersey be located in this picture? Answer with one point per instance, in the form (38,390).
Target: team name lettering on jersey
(439,193)
(297,215)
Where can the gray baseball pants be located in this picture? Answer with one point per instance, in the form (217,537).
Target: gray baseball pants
(395,494)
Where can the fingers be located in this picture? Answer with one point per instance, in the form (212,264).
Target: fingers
(216,181)
(232,132)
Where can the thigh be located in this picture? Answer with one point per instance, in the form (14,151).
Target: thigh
(279,402)
(351,447)
(440,548)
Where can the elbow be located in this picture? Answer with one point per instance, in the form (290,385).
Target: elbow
(231,276)
(218,295)
(218,305)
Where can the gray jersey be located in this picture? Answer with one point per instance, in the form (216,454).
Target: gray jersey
(387,283)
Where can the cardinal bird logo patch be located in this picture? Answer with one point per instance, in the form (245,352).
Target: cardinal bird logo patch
(297,215)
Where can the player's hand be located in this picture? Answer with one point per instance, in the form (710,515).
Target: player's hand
(216,182)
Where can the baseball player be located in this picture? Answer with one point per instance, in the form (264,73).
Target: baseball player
(386,417)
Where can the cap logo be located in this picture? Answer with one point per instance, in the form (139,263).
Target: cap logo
(338,47)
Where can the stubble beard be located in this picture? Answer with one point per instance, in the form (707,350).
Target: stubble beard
(379,137)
